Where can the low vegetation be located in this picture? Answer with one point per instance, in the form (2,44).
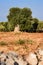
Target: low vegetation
(21,41)
(30,41)
(2,43)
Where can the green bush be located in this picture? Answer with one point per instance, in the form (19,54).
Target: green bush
(2,28)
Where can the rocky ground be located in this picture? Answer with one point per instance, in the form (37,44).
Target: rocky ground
(28,53)
(12,58)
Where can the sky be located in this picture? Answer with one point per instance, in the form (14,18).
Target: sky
(35,5)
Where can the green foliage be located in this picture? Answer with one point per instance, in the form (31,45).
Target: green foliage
(26,12)
(40,27)
(10,27)
(13,12)
(5,24)
(2,28)
(35,24)
(22,17)
(21,41)
(25,26)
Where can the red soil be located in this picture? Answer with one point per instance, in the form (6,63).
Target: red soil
(11,37)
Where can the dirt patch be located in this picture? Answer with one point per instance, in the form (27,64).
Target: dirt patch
(35,41)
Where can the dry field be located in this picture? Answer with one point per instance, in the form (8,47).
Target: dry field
(31,42)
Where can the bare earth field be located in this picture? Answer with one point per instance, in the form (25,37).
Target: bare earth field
(34,41)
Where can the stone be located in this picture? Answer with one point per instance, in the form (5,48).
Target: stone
(12,58)
(31,59)
(40,54)
(17,29)
(40,63)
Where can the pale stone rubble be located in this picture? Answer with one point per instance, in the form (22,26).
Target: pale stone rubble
(12,58)
(32,60)
(17,29)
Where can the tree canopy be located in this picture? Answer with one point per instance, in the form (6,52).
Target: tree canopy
(23,17)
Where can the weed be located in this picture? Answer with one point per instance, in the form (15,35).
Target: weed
(30,41)
(2,43)
(21,41)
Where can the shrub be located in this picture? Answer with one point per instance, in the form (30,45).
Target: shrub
(21,41)
(30,41)
(2,28)
(2,43)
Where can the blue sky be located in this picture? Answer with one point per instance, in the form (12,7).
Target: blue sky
(35,5)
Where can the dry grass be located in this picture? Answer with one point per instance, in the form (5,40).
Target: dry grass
(2,43)
(30,41)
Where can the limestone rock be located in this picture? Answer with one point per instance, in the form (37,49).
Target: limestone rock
(40,63)
(12,58)
(17,29)
(31,59)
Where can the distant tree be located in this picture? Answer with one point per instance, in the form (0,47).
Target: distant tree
(35,24)
(25,24)
(21,17)
(2,28)
(40,26)
(26,12)
(5,24)
(13,12)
